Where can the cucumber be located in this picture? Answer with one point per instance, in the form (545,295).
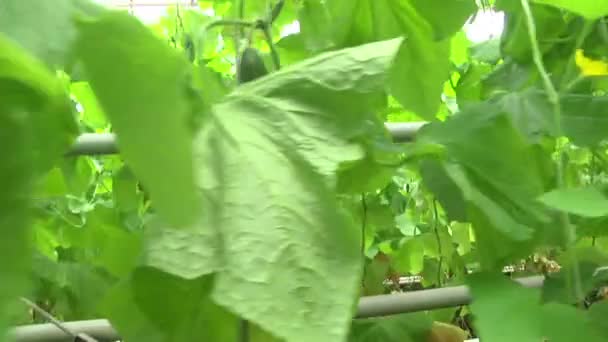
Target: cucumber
(251,66)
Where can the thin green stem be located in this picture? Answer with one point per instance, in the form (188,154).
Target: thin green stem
(568,81)
(238,35)
(592,168)
(363,228)
(230,22)
(363,223)
(273,51)
(574,280)
(439,249)
(244,335)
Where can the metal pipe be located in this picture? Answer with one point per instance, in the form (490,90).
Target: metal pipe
(371,306)
(99,329)
(384,305)
(105,143)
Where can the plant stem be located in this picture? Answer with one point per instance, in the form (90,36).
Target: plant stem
(273,51)
(569,232)
(363,228)
(243,331)
(238,35)
(591,182)
(439,249)
(230,22)
(363,224)
(566,83)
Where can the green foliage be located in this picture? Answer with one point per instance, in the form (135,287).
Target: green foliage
(402,328)
(118,45)
(590,9)
(587,202)
(282,200)
(422,64)
(521,316)
(285,185)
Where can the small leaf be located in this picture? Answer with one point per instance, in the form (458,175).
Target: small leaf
(314,18)
(410,257)
(585,118)
(588,202)
(148,107)
(422,66)
(124,190)
(446,17)
(376,272)
(461,235)
(92,113)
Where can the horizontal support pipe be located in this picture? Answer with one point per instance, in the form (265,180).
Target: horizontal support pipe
(384,305)
(105,143)
(371,306)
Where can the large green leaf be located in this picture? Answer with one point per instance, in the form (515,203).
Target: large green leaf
(585,118)
(484,140)
(422,66)
(551,26)
(141,84)
(36,127)
(590,9)
(505,311)
(109,244)
(187,253)
(155,306)
(91,112)
(268,160)
(446,17)
(45,30)
(498,176)
(435,178)
(314,19)
(81,283)
(564,323)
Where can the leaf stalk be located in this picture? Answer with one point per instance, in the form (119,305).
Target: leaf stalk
(569,231)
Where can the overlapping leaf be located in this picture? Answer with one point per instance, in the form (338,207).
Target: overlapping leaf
(46,30)
(446,17)
(271,227)
(591,9)
(422,65)
(499,177)
(402,328)
(588,202)
(270,155)
(154,306)
(506,311)
(36,128)
(141,84)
